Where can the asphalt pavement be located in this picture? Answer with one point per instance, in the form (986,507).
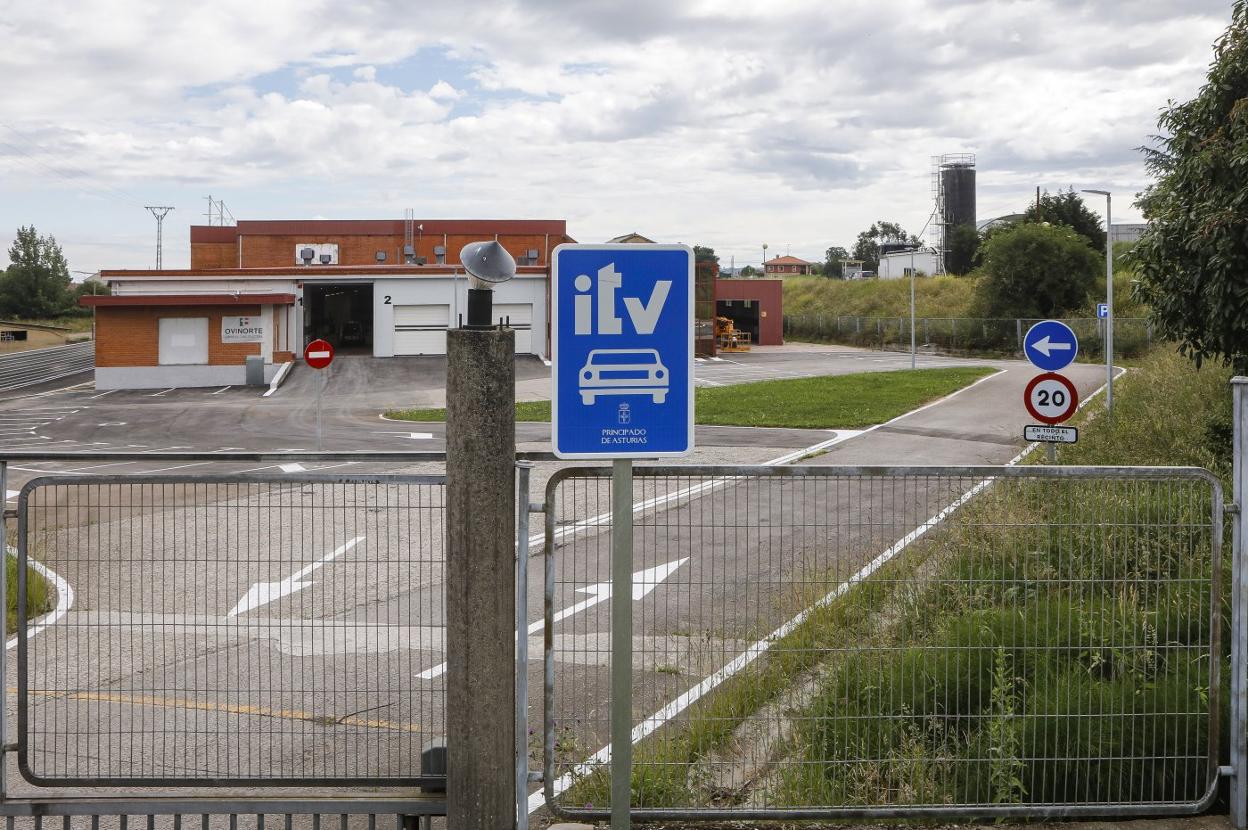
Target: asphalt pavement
(163,664)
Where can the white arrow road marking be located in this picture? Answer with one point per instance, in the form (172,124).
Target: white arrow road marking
(292,468)
(262,593)
(1045,346)
(643,583)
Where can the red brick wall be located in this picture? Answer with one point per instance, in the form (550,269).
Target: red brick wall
(129,335)
(769,294)
(214,254)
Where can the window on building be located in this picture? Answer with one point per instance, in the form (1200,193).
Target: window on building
(183,341)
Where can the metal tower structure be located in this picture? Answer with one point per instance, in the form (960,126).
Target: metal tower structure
(217,212)
(160,212)
(942,207)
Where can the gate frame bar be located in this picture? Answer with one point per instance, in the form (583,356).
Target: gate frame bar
(723,475)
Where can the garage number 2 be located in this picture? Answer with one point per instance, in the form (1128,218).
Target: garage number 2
(387,300)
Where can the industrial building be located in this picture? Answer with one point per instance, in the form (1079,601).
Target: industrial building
(897,264)
(755,307)
(381,288)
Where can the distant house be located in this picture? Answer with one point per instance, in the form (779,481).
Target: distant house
(631,238)
(851,269)
(898,264)
(783,265)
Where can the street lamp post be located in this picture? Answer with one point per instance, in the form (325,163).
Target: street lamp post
(912,349)
(764,259)
(1109,301)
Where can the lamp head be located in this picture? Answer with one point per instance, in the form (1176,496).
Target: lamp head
(1097,192)
(487,264)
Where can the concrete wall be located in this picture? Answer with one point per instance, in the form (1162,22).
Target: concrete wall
(165,377)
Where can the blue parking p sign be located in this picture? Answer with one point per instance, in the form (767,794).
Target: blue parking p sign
(622,351)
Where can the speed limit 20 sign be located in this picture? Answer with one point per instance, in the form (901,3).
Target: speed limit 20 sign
(1051,398)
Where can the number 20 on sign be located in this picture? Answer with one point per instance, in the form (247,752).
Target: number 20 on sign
(1051,398)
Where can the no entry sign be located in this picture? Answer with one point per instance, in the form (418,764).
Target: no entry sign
(1051,398)
(318,354)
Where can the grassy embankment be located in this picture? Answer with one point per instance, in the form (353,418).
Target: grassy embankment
(983,665)
(833,402)
(876,313)
(39,595)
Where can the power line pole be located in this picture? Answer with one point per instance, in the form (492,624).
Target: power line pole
(160,212)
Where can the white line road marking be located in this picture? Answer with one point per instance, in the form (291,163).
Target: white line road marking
(113,424)
(292,468)
(219,391)
(64,599)
(415,436)
(644,582)
(102,394)
(262,593)
(168,449)
(175,467)
(161,393)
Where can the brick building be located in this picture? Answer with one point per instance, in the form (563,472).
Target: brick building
(383,288)
(787,265)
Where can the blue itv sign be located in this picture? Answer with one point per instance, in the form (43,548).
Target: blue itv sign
(622,351)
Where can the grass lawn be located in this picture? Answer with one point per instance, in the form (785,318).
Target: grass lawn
(833,402)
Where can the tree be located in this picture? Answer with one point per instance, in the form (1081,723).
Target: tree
(1067,208)
(961,246)
(834,262)
(36,283)
(1035,270)
(704,254)
(1192,261)
(867,248)
(749,271)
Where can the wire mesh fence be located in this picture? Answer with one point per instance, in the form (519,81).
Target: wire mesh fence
(231,630)
(821,641)
(1132,336)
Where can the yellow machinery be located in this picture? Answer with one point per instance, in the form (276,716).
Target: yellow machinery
(728,338)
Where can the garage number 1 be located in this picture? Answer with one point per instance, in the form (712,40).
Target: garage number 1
(622,351)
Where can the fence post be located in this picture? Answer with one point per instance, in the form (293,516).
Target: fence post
(1018,330)
(1238,726)
(480,579)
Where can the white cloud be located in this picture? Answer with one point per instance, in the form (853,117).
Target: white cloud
(722,122)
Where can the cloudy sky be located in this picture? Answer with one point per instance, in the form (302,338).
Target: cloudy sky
(720,122)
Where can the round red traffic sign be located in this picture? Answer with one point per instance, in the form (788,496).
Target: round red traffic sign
(318,354)
(1051,398)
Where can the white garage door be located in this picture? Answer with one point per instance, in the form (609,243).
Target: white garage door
(183,341)
(420,329)
(521,316)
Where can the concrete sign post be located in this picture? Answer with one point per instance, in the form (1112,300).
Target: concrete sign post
(622,368)
(319,354)
(481,556)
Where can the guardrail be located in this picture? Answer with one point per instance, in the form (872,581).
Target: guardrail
(1132,335)
(27,368)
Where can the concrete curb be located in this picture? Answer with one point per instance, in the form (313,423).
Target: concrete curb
(279,378)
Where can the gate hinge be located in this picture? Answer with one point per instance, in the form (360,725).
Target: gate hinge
(537,507)
(10,513)
(1226,771)
(10,747)
(1231,508)
(536,776)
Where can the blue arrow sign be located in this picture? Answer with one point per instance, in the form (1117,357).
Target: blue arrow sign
(1050,345)
(622,351)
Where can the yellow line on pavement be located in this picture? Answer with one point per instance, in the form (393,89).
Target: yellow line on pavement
(225,708)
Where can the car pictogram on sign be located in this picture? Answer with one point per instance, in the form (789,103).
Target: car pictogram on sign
(624,372)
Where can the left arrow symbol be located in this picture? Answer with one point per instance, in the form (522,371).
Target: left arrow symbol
(262,593)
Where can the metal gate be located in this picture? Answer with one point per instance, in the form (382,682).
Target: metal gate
(820,642)
(229,631)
